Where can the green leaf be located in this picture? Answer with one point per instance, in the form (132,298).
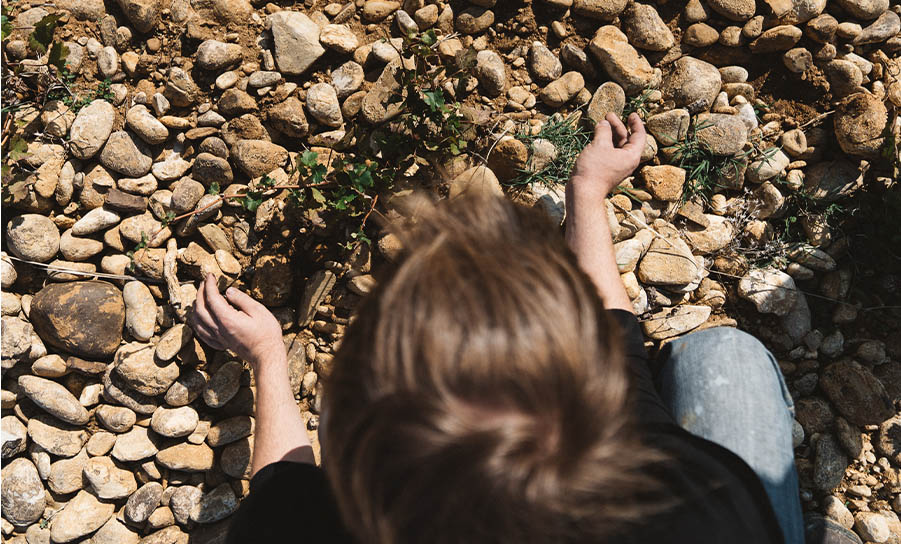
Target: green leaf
(309,158)
(251,204)
(7,26)
(266,181)
(214,188)
(42,35)
(429,37)
(341,203)
(434,99)
(317,195)
(58,54)
(18,148)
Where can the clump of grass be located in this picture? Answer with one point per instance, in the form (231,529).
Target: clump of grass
(704,170)
(638,104)
(569,138)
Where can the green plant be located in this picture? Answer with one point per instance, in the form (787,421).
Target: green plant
(704,170)
(637,104)
(568,136)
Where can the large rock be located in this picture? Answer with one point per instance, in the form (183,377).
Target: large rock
(780,38)
(889,440)
(887,25)
(856,393)
(145,125)
(288,117)
(715,236)
(216,505)
(864,9)
(22,493)
(66,474)
(109,481)
(675,321)
(692,82)
(174,422)
(668,262)
(860,122)
(622,62)
(608,98)
(91,128)
(33,237)
(214,55)
(134,445)
(831,180)
(490,72)
(802,11)
(136,364)
(771,291)
(13,436)
(143,502)
(323,105)
(605,10)
(561,91)
(476,180)
(126,154)
(83,317)
(186,457)
(258,157)
(665,182)
(81,516)
(722,134)
(829,463)
(56,437)
(296,39)
(54,398)
(143,14)
(645,29)
(735,10)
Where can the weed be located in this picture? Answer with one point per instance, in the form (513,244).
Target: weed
(637,104)
(704,170)
(569,138)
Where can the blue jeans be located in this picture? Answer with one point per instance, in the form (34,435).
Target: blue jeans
(723,385)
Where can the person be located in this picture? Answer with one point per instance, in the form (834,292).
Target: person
(495,387)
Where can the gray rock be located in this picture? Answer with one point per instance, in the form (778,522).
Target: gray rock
(670,126)
(94,221)
(830,180)
(14,436)
(183,501)
(140,310)
(134,445)
(108,62)
(180,88)
(136,365)
(258,157)
(260,79)
(668,262)
(490,72)
(107,480)
(722,134)
(544,63)
(771,291)
(768,166)
(54,398)
(214,55)
(16,340)
(339,38)
(735,10)
(296,40)
(143,14)
(21,493)
(605,10)
(115,389)
(608,98)
(230,430)
(143,502)
(91,129)
(114,532)
(474,20)
(236,458)
(223,384)
(216,505)
(692,83)
(208,169)
(561,91)
(126,154)
(174,422)
(117,419)
(32,237)
(347,79)
(865,9)
(887,25)
(856,393)
(145,125)
(645,29)
(829,463)
(186,388)
(323,105)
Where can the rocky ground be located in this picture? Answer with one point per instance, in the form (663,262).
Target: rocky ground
(767,199)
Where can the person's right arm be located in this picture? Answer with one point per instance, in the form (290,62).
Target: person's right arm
(610,157)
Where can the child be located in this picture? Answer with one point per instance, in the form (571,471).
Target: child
(495,388)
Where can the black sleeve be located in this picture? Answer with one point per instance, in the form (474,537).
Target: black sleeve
(288,502)
(647,401)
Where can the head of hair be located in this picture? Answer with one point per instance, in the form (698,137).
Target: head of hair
(480,394)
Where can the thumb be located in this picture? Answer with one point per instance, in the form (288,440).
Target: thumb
(244,302)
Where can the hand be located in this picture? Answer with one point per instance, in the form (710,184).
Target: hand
(610,157)
(250,330)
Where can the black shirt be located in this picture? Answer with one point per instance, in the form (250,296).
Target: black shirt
(718,498)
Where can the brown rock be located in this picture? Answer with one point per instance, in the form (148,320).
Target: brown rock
(84,317)
(856,393)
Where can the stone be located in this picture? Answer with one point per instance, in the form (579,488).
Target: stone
(887,25)
(78,249)
(181,89)
(91,129)
(645,29)
(137,366)
(54,399)
(208,169)
(14,436)
(169,535)
(377,10)
(172,341)
(608,98)
(474,20)
(605,10)
(770,164)
(621,61)
(734,10)
(236,458)
(490,72)
(872,527)
(509,157)
(21,493)
(117,419)
(258,157)
(16,338)
(186,388)
(230,430)
(692,82)
(669,127)
(288,117)
(323,105)
(134,445)
(668,262)
(101,442)
(858,395)
(675,321)
(79,517)
(544,64)
(143,502)
(84,317)
(700,35)
(339,38)
(779,38)
(223,384)
(186,457)
(145,125)
(829,463)
(114,532)
(174,422)
(66,474)
(216,505)
(561,91)
(888,442)
(771,291)
(183,501)
(55,437)
(835,508)
(143,14)
(830,180)
(722,134)
(664,182)
(186,192)
(126,155)
(115,389)
(347,79)
(124,202)
(865,9)
(140,310)
(296,40)
(236,102)
(57,118)
(860,123)
(32,237)
(107,480)
(716,236)
(215,56)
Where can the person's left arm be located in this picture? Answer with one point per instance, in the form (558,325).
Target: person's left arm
(246,327)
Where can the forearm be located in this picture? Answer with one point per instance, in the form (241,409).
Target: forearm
(588,236)
(280,434)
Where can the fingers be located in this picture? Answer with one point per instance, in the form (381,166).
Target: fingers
(204,333)
(603,134)
(244,302)
(638,138)
(201,315)
(620,134)
(219,308)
